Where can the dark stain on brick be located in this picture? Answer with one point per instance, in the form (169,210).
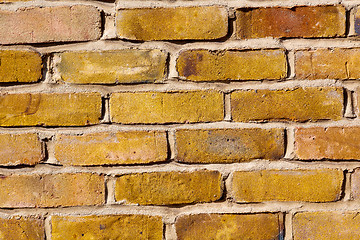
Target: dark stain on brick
(357,26)
(191,59)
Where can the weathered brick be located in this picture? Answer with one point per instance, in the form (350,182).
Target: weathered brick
(167,107)
(355,184)
(229,145)
(50,24)
(107,227)
(326,225)
(205,65)
(357,108)
(298,104)
(109,67)
(20,66)
(326,63)
(135,147)
(328,143)
(302,21)
(287,185)
(50,109)
(179,23)
(164,188)
(18,149)
(22,228)
(229,226)
(357,21)
(65,189)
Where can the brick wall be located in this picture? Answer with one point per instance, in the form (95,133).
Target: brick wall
(179,119)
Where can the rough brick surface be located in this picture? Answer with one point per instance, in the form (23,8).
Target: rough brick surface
(328,143)
(21,228)
(229,145)
(107,227)
(20,66)
(179,23)
(110,67)
(50,24)
(64,189)
(18,149)
(326,225)
(303,21)
(50,109)
(229,226)
(167,107)
(355,184)
(135,147)
(287,185)
(205,65)
(298,104)
(165,188)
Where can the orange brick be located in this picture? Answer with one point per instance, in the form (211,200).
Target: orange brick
(165,188)
(109,67)
(18,149)
(65,189)
(328,143)
(302,21)
(107,227)
(167,107)
(229,226)
(298,104)
(22,228)
(205,65)
(229,145)
(179,23)
(50,24)
(326,225)
(135,147)
(20,66)
(287,185)
(50,109)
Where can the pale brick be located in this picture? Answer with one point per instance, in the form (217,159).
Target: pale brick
(355,184)
(22,228)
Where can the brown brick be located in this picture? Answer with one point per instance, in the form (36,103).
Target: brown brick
(179,23)
(229,226)
(326,225)
(335,63)
(18,149)
(298,104)
(328,143)
(355,184)
(20,66)
(66,189)
(302,21)
(135,147)
(167,107)
(206,65)
(50,24)
(107,227)
(164,188)
(356,21)
(50,109)
(229,145)
(22,228)
(287,185)
(109,67)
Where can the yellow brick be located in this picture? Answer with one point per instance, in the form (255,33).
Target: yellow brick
(64,189)
(167,107)
(298,104)
(50,109)
(20,66)
(109,67)
(326,225)
(287,185)
(179,23)
(18,149)
(107,227)
(165,188)
(136,147)
(229,145)
(205,65)
(22,228)
(229,226)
